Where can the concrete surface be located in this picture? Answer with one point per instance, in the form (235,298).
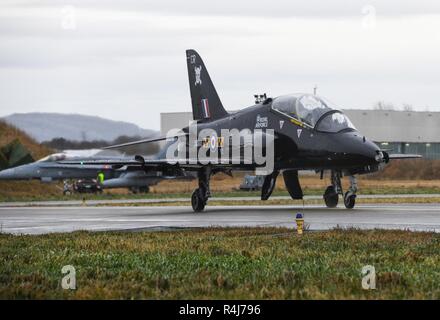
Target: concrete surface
(39,220)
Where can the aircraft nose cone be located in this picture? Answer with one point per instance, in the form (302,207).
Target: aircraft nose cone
(7,174)
(360,149)
(371,151)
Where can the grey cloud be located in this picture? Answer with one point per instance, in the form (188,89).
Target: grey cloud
(264,8)
(123,64)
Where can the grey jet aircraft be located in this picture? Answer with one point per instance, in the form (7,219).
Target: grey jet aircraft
(50,169)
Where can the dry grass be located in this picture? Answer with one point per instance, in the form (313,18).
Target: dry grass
(28,190)
(221,186)
(420,169)
(311,184)
(236,263)
(9,133)
(24,189)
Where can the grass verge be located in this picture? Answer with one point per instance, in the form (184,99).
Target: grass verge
(236,263)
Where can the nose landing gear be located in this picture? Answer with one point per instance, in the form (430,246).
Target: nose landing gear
(350,195)
(331,194)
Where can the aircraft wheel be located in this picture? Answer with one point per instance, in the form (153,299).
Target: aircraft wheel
(197,201)
(145,189)
(331,198)
(349,200)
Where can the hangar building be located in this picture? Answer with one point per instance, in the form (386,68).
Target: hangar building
(413,132)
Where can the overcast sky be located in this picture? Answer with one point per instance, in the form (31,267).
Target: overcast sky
(125,60)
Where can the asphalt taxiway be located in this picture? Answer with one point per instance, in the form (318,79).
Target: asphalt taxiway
(63,203)
(40,220)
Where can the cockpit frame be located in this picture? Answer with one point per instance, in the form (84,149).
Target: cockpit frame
(297,106)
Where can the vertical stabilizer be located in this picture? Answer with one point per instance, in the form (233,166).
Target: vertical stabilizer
(206,104)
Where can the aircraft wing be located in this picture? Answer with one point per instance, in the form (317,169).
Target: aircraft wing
(76,165)
(397,156)
(147,163)
(151,163)
(135,143)
(101,162)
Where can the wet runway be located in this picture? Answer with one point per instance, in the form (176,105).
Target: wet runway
(40,220)
(64,203)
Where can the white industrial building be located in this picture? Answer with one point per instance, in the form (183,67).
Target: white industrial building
(402,131)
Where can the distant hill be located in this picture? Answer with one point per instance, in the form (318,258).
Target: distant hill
(47,126)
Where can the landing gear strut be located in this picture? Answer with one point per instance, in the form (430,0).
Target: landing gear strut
(350,195)
(200,196)
(331,194)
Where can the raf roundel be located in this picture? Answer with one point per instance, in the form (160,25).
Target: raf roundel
(213,142)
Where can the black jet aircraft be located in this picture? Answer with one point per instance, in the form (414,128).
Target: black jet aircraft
(308,134)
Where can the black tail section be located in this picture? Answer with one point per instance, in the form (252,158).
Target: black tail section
(206,104)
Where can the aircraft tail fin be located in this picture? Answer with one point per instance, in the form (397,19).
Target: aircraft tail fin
(206,104)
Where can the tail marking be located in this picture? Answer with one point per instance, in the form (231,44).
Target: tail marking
(206,113)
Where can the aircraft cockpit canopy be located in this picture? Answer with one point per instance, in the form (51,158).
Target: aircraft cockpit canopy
(314,111)
(54,157)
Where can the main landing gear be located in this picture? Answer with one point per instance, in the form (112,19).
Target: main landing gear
(201,195)
(331,194)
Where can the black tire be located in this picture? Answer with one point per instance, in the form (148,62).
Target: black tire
(145,189)
(197,201)
(349,200)
(331,198)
